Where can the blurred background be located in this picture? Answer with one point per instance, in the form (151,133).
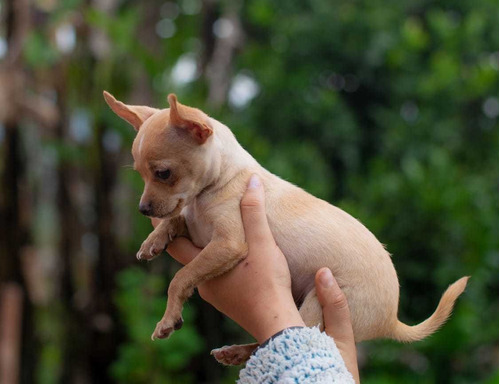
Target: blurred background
(388,109)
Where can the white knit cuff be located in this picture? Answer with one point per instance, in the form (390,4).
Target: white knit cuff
(298,355)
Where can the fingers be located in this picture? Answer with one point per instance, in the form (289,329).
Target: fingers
(253,212)
(337,318)
(336,315)
(183,250)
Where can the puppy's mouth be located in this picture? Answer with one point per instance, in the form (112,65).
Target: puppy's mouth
(174,212)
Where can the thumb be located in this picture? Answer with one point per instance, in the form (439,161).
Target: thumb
(253,212)
(336,315)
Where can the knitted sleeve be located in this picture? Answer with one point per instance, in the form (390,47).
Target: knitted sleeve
(298,355)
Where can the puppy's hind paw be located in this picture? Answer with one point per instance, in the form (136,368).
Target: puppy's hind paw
(233,354)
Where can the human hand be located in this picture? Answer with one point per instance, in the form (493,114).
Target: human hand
(337,318)
(257,292)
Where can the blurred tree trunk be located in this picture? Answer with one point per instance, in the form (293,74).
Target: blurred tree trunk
(208,320)
(76,339)
(105,335)
(11,302)
(210,14)
(14,204)
(219,52)
(14,237)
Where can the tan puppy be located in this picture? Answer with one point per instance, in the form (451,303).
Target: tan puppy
(195,173)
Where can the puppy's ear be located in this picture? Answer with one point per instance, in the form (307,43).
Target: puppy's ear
(191,119)
(133,114)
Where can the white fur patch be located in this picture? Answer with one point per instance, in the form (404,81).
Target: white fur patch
(140,143)
(180,196)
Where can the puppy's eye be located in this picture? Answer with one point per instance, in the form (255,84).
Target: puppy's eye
(163,175)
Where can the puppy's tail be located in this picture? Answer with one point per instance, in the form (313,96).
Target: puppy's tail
(406,333)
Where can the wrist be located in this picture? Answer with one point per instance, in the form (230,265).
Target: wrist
(273,315)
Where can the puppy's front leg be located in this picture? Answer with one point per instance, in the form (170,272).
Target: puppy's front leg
(218,257)
(161,236)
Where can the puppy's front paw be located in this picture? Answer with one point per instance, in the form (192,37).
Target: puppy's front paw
(152,247)
(233,354)
(165,327)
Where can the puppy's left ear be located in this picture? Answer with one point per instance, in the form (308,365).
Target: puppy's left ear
(191,119)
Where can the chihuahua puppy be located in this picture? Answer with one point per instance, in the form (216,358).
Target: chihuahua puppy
(195,173)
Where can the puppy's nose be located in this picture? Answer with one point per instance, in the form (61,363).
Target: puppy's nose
(146,208)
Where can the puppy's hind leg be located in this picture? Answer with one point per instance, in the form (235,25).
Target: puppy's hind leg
(234,354)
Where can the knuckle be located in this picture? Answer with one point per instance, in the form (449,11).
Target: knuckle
(250,202)
(250,211)
(250,207)
(339,301)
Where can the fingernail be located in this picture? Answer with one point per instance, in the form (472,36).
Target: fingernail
(326,278)
(254,182)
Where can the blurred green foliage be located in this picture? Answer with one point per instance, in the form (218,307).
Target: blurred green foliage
(141,302)
(388,109)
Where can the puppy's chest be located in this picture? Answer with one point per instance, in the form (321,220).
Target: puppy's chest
(199,227)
